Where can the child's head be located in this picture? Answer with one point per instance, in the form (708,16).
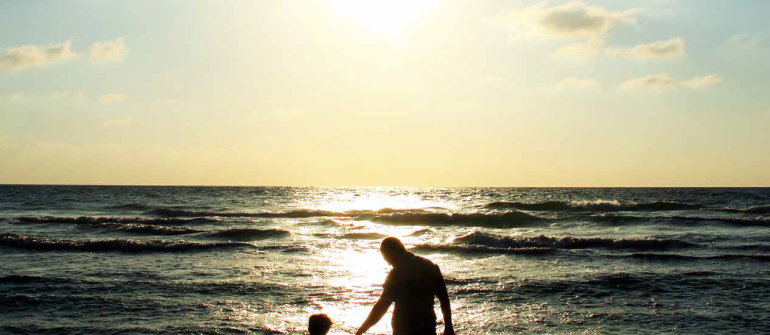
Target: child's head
(319,324)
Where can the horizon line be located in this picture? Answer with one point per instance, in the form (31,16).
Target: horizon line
(357,186)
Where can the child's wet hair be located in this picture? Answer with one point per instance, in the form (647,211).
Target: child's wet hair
(319,324)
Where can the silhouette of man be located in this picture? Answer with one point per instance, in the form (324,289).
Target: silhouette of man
(411,284)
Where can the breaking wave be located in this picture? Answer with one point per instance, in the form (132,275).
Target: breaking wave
(675,257)
(497,220)
(97,220)
(148,229)
(298,214)
(294,214)
(615,219)
(247,234)
(363,236)
(121,245)
(758,221)
(490,240)
(353,236)
(480,249)
(764,209)
(131,207)
(595,206)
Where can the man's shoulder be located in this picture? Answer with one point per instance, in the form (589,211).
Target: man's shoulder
(426,265)
(424,261)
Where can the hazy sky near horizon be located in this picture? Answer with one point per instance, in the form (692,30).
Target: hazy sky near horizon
(399,93)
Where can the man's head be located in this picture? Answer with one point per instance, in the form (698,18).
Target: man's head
(319,324)
(392,249)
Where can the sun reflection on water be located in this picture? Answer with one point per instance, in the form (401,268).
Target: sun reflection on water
(373,199)
(358,272)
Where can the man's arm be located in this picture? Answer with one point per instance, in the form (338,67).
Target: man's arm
(446,309)
(379,309)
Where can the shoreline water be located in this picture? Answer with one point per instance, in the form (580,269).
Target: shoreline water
(220,260)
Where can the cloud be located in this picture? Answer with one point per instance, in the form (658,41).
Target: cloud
(744,41)
(703,81)
(571,20)
(575,83)
(658,81)
(25,56)
(662,81)
(592,47)
(673,48)
(108,51)
(112,98)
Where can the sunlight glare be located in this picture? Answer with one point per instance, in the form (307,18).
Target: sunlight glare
(374,199)
(391,18)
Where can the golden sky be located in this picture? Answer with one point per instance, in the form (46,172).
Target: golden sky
(396,93)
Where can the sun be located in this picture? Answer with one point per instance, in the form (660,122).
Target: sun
(391,18)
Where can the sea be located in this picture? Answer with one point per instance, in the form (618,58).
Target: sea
(260,260)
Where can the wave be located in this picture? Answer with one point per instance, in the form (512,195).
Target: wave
(490,240)
(758,221)
(298,214)
(604,284)
(354,236)
(421,232)
(764,209)
(247,234)
(121,245)
(295,214)
(480,249)
(130,207)
(22,279)
(615,219)
(98,220)
(363,236)
(676,257)
(747,247)
(148,229)
(594,206)
(496,220)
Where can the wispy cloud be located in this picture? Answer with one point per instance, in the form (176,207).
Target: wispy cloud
(26,56)
(112,98)
(703,81)
(659,81)
(584,25)
(744,41)
(673,48)
(571,20)
(108,51)
(663,81)
(593,47)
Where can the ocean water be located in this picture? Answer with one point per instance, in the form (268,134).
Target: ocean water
(260,260)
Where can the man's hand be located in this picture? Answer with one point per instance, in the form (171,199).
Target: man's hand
(379,309)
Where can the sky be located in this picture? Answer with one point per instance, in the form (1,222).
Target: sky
(371,93)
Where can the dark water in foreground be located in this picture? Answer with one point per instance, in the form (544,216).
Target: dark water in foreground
(235,260)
